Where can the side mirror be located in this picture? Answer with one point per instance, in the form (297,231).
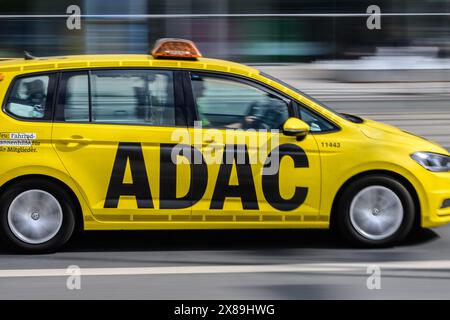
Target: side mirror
(295,127)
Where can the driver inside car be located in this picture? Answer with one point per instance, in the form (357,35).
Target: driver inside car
(262,114)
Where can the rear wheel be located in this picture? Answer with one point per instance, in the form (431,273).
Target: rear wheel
(36,216)
(375,211)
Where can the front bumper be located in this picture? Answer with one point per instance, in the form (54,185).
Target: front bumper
(437,191)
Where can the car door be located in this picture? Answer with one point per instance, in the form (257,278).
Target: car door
(113,132)
(255,172)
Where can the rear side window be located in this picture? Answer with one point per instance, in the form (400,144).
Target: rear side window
(30,98)
(133,97)
(73,97)
(141,97)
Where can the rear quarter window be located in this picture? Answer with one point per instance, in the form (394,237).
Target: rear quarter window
(30,97)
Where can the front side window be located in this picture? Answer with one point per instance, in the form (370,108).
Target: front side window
(226,103)
(30,98)
(133,97)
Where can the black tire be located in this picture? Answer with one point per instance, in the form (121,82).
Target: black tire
(342,220)
(68,216)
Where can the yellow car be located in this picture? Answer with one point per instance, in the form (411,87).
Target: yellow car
(176,141)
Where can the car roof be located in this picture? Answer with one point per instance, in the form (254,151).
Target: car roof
(120,60)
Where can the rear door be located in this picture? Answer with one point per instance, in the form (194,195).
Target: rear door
(113,131)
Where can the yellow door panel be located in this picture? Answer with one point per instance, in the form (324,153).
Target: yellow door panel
(108,170)
(249,192)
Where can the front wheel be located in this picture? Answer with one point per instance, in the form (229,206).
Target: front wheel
(36,216)
(375,211)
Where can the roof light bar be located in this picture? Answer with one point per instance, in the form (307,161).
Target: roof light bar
(175,48)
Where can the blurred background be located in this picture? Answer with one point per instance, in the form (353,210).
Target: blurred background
(399,74)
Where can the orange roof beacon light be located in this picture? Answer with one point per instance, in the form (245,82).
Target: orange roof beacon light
(175,48)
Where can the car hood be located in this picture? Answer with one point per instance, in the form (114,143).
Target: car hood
(380,131)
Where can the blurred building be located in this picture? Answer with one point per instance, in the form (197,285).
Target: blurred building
(249,39)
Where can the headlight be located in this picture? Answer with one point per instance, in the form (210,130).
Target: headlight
(432,161)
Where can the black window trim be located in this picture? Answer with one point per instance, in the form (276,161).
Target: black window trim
(51,90)
(56,97)
(188,103)
(89,95)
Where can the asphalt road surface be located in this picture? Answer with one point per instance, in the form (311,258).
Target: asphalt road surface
(265,264)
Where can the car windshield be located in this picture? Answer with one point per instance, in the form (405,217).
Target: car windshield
(268,76)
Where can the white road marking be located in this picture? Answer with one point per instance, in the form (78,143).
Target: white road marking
(435,265)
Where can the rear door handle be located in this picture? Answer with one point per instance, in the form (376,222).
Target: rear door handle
(76,139)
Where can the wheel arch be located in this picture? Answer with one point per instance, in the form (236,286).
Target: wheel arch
(404,181)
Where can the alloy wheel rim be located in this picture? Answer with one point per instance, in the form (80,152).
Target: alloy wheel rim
(35,216)
(376,212)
